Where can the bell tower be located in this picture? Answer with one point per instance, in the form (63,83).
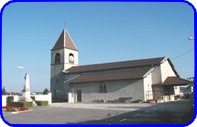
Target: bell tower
(64,55)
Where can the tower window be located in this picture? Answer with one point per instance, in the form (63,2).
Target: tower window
(57,58)
(71,58)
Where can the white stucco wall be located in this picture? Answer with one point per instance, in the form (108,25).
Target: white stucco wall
(64,61)
(115,90)
(166,70)
(4,99)
(159,76)
(158,92)
(4,102)
(156,75)
(148,93)
(67,65)
(18,98)
(176,90)
(41,97)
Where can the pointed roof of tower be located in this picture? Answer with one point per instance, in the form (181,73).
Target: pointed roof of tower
(64,41)
(26,75)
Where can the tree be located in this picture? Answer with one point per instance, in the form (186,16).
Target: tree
(46,91)
(4,91)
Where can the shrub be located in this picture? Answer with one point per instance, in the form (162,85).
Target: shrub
(16,104)
(9,100)
(42,103)
(21,104)
(137,101)
(28,104)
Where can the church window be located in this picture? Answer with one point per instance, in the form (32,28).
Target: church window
(102,88)
(71,58)
(57,58)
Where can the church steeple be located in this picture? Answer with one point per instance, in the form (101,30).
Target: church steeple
(64,41)
(64,54)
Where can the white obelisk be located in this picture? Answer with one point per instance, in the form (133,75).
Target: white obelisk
(26,89)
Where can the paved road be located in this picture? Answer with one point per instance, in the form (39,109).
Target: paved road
(60,114)
(106,106)
(101,113)
(178,112)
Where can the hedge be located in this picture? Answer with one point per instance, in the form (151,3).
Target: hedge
(42,103)
(21,104)
(9,100)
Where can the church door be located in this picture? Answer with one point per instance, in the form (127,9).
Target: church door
(78,95)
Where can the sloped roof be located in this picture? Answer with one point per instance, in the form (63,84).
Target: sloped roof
(116,65)
(176,81)
(64,41)
(134,73)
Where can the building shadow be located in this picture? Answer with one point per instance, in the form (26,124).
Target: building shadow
(176,112)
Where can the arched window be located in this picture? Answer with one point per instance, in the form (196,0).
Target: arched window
(71,58)
(57,58)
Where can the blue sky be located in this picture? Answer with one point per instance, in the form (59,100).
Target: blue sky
(103,32)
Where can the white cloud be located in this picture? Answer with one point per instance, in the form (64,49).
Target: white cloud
(20,67)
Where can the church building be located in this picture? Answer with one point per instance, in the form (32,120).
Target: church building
(142,79)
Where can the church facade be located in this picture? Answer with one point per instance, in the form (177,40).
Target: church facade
(142,79)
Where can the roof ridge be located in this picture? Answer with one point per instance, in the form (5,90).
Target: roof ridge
(70,39)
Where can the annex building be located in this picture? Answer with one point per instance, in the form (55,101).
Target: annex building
(142,79)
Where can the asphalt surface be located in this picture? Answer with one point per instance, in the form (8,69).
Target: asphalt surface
(63,113)
(177,112)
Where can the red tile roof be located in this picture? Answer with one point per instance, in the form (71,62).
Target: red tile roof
(134,73)
(64,41)
(176,81)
